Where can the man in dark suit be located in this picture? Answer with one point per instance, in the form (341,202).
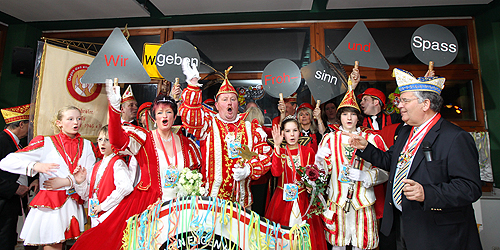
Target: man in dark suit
(13,187)
(434,173)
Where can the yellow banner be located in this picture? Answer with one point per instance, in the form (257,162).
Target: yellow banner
(149,59)
(59,85)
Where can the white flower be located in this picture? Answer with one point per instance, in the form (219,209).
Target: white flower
(201,190)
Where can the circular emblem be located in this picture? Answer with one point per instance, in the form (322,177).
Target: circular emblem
(170,56)
(83,92)
(281,76)
(436,43)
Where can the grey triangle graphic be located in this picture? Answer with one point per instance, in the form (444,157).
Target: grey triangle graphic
(359,45)
(116,59)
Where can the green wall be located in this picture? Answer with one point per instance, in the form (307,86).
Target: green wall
(16,90)
(488,38)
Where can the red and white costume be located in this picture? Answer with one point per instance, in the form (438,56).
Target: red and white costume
(55,216)
(358,226)
(290,213)
(109,182)
(213,133)
(189,157)
(126,139)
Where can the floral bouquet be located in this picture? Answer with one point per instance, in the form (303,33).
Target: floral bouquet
(315,180)
(190,183)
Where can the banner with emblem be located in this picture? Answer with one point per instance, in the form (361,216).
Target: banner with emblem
(58,84)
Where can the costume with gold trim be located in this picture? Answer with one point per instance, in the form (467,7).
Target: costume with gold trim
(212,131)
(110,180)
(126,139)
(289,213)
(340,230)
(15,114)
(190,157)
(55,216)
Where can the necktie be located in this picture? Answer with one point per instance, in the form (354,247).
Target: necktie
(375,123)
(402,170)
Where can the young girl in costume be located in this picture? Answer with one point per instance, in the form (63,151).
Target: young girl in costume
(175,151)
(57,213)
(128,140)
(107,184)
(350,216)
(290,209)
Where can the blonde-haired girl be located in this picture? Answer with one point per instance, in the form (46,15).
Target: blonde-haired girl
(57,213)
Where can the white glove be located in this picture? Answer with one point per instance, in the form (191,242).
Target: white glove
(357,175)
(240,173)
(322,153)
(113,94)
(191,72)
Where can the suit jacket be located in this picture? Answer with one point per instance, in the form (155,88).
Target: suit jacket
(8,185)
(451,182)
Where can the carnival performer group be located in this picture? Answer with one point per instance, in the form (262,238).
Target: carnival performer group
(140,166)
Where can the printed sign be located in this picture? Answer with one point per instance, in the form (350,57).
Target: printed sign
(281,76)
(323,82)
(116,59)
(360,46)
(169,59)
(149,60)
(436,43)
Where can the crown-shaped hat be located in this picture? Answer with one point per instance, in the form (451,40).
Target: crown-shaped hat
(291,98)
(128,95)
(349,98)
(407,82)
(15,114)
(226,86)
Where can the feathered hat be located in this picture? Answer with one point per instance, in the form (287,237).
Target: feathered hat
(349,98)
(15,114)
(128,95)
(407,82)
(226,86)
(291,98)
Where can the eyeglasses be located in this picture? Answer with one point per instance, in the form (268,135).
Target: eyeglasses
(406,100)
(103,140)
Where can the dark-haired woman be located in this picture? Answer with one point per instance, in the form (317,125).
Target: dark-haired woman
(175,151)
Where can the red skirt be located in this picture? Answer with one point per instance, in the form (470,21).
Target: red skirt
(279,211)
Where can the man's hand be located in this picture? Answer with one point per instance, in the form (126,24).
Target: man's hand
(356,141)
(35,185)
(281,107)
(430,73)
(240,173)
(413,190)
(191,72)
(22,190)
